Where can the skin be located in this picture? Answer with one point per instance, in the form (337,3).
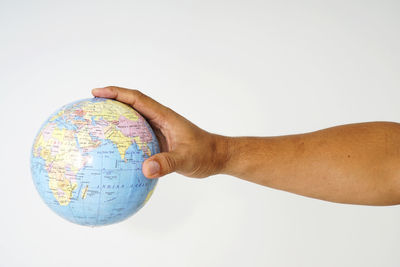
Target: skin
(354,164)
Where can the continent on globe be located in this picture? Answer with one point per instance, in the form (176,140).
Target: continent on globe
(86,161)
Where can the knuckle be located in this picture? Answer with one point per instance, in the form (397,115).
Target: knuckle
(112,88)
(170,164)
(168,113)
(136,93)
(136,96)
(168,110)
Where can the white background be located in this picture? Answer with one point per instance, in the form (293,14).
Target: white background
(233,67)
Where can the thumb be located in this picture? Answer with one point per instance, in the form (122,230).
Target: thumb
(160,164)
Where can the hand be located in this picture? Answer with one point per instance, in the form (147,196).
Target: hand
(355,163)
(185,148)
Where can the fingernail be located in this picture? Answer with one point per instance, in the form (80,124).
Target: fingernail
(153,167)
(94,90)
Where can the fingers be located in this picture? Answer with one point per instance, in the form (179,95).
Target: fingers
(161,164)
(147,106)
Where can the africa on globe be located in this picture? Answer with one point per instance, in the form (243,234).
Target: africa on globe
(86,161)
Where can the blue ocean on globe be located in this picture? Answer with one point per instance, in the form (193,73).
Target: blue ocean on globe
(86,161)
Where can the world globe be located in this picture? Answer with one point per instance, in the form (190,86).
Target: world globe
(86,161)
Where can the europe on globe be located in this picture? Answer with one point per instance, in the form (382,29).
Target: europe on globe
(86,161)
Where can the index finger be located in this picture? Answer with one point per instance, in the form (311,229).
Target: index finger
(147,106)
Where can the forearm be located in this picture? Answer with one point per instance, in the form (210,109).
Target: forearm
(357,163)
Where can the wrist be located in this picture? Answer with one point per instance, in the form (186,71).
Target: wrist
(223,150)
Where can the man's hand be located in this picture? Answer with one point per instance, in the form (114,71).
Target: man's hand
(185,148)
(355,163)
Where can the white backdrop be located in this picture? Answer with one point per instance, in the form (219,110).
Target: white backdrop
(232,67)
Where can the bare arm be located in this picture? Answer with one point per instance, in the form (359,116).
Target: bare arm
(356,163)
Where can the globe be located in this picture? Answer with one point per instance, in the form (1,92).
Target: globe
(86,161)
